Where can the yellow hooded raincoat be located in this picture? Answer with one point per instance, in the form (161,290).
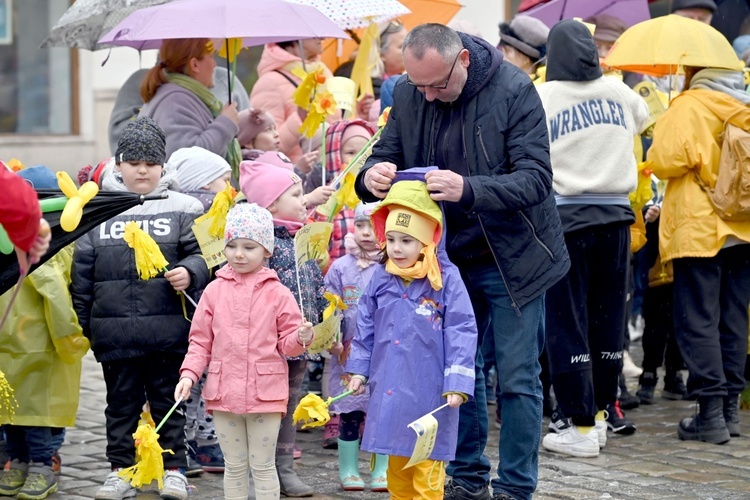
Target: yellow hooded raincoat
(686,143)
(41,346)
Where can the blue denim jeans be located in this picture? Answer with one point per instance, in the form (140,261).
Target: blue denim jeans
(518,341)
(29,444)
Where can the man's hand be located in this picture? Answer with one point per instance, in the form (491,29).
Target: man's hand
(444,185)
(379,177)
(179,278)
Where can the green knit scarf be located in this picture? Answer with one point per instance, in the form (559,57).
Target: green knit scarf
(234,153)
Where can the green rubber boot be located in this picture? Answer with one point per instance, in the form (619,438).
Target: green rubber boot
(348,469)
(379,467)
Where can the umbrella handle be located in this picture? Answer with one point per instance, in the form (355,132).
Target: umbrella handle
(340,396)
(171,410)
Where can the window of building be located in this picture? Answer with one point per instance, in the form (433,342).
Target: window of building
(37,86)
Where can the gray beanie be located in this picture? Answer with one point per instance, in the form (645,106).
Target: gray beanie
(526,34)
(709,5)
(197,167)
(142,140)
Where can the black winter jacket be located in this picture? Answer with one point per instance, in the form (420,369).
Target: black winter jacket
(124,316)
(508,202)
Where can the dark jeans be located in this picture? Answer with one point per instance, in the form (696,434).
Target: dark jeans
(518,341)
(586,321)
(659,343)
(711,295)
(29,444)
(130,382)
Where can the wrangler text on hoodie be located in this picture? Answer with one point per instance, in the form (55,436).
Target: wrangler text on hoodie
(584,115)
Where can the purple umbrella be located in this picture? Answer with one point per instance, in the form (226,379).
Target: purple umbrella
(630,11)
(256,22)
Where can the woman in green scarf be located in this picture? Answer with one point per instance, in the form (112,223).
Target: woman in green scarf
(177,96)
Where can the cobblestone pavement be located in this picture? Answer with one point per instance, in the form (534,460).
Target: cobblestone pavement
(651,464)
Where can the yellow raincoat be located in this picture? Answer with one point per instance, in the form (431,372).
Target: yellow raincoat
(41,346)
(686,143)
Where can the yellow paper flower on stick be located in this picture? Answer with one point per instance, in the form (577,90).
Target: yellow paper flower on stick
(313,411)
(217,214)
(150,464)
(383,118)
(643,192)
(306,90)
(324,104)
(231,45)
(334,302)
(345,194)
(148,257)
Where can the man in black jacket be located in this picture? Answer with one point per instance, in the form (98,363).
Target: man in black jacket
(481,122)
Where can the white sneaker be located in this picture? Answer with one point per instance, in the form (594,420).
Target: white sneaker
(571,442)
(115,488)
(601,432)
(635,328)
(629,369)
(175,486)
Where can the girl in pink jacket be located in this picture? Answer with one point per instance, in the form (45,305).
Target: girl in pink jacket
(246,322)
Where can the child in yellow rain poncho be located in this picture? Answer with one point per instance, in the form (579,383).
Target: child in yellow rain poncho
(41,347)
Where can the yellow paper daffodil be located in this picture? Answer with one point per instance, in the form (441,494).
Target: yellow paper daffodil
(312,411)
(210,47)
(15,164)
(217,214)
(149,261)
(334,302)
(150,465)
(307,88)
(345,194)
(383,118)
(643,192)
(231,45)
(323,104)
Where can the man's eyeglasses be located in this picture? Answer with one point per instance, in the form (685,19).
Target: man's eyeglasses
(436,87)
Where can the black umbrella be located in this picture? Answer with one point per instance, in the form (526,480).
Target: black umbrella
(101,208)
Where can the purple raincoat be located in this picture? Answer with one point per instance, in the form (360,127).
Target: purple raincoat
(348,281)
(414,344)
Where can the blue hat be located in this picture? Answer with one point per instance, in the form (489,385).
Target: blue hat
(40,177)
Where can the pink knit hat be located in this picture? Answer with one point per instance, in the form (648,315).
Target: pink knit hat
(276,158)
(252,122)
(263,183)
(355,130)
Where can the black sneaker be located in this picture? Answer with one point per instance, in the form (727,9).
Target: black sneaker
(646,386)
(628,401)
(617,422)
(674,387)
(455,492)
(558,422)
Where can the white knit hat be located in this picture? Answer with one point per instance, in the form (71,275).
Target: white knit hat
(197,167)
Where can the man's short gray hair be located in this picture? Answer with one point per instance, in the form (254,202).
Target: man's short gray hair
(433,36)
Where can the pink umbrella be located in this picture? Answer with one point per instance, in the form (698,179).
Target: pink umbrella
(256,22)
(630,11)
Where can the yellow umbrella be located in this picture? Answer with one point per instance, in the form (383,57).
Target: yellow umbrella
(660,46)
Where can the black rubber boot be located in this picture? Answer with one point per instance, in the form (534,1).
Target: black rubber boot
(732,415)
(646,386)
(708,425)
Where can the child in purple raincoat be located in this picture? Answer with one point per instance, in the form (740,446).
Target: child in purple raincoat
(347,278)
(416,340)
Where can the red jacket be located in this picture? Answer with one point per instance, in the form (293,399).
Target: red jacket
(19,209)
